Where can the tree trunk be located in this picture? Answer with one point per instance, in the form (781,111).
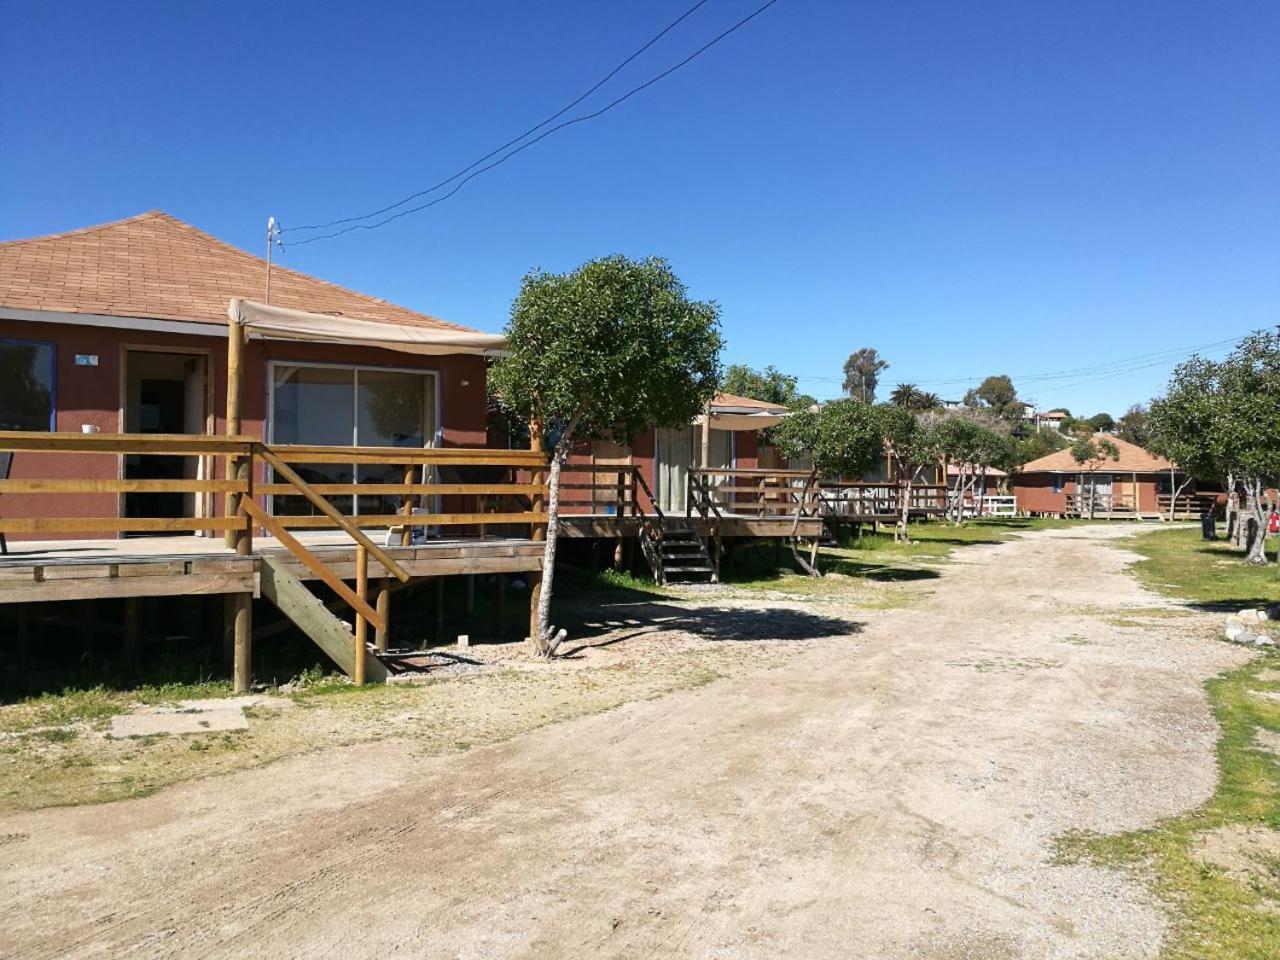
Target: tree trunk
(1177,492)
(982,491)
(542,641)
(903,535)
(1256,540)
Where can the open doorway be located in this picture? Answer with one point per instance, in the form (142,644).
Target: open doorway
(164,393)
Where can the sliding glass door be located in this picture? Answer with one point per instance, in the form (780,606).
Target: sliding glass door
(351,406)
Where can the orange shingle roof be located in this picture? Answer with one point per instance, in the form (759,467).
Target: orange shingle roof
(733,400)
(155,266)
(1133,459)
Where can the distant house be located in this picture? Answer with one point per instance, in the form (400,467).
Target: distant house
(1137,485)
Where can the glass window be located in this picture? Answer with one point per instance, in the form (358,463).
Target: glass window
(26,385)
(351,406)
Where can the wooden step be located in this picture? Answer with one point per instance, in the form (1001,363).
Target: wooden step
(312,617)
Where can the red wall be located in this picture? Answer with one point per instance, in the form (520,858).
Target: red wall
(92,395)
(1035,491)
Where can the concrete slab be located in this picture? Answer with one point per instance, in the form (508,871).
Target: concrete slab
(168,722)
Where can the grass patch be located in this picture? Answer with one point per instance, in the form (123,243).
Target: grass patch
(1228,908)
(1177,563)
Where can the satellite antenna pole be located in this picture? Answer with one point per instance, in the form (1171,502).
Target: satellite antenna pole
(272,232)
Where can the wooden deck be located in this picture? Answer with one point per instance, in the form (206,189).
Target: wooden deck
(731,526)
(35,571)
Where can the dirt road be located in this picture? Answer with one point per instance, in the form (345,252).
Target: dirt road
(892,792)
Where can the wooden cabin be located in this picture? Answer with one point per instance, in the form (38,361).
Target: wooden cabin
(1138,485)
(176,418)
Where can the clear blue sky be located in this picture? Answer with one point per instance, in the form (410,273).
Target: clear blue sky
(1021,187)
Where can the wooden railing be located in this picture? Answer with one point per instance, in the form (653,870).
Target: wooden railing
(856,498)
(755,493)
(308,502)
(1189,505)
(462,502)
(1087,504)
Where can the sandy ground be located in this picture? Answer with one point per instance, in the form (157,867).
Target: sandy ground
(893,790)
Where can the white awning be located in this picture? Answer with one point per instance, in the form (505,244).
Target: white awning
(277,323)
(741,420)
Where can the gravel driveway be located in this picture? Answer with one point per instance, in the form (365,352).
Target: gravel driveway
(891,792)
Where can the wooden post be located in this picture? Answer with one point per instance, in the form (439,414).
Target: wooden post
(132,632)
(537,532)
(705,459)
(235,355)
(439,608)
(242,628)
(362,625)
(383,634)
(502,605)
(406,536)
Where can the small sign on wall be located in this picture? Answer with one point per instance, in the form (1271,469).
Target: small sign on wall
(86,359)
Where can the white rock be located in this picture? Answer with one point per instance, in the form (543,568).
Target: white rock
(1234,630)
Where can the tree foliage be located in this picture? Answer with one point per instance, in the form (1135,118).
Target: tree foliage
(996,395)
(612,348)
(1043,442)
(843,437)
(770,385)
(1132,427)
(862,374)
(911,397)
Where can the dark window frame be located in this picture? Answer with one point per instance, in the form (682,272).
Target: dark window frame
(53,372)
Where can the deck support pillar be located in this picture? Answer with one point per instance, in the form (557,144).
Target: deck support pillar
(132,631)
(241,607)
(382,635)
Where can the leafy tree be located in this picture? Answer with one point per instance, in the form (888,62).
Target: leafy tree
(914,443)
(1043,442)
(973,448)
(862,374)
(1090,453)
(911,397)
(1102,422)
(997,396)
(842,437)
(770,385)
(610,349)
(1133,427)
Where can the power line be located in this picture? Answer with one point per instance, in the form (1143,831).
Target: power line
(514,140)
(1110,368)
(546,133)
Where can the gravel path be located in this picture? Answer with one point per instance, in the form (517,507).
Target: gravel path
(893,792)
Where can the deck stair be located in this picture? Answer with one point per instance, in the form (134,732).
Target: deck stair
(683,553)
(308,612)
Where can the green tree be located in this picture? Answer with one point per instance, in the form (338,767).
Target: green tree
(1102,423)
(997,396)
(610,349)
(843,438)
(770,385)
(1043,442)
(911,397)
(862,374)
(1090,453)
(1133,427)
(914,443)
(973,448)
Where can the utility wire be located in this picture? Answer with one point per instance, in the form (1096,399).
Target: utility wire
(534,129)
(542,136)
(1112,367)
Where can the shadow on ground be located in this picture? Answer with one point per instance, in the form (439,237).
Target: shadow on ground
(639,617)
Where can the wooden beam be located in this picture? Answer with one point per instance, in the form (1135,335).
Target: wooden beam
(242,609)
(332,512)
(383,606)
(361,640)
(291,596)
(312,562)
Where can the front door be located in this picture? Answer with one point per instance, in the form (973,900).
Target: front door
(164,393)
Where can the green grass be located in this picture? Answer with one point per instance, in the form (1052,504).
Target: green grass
(1220,912)
(1177,563)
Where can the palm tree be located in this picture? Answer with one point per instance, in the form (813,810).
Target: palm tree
(906,395)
